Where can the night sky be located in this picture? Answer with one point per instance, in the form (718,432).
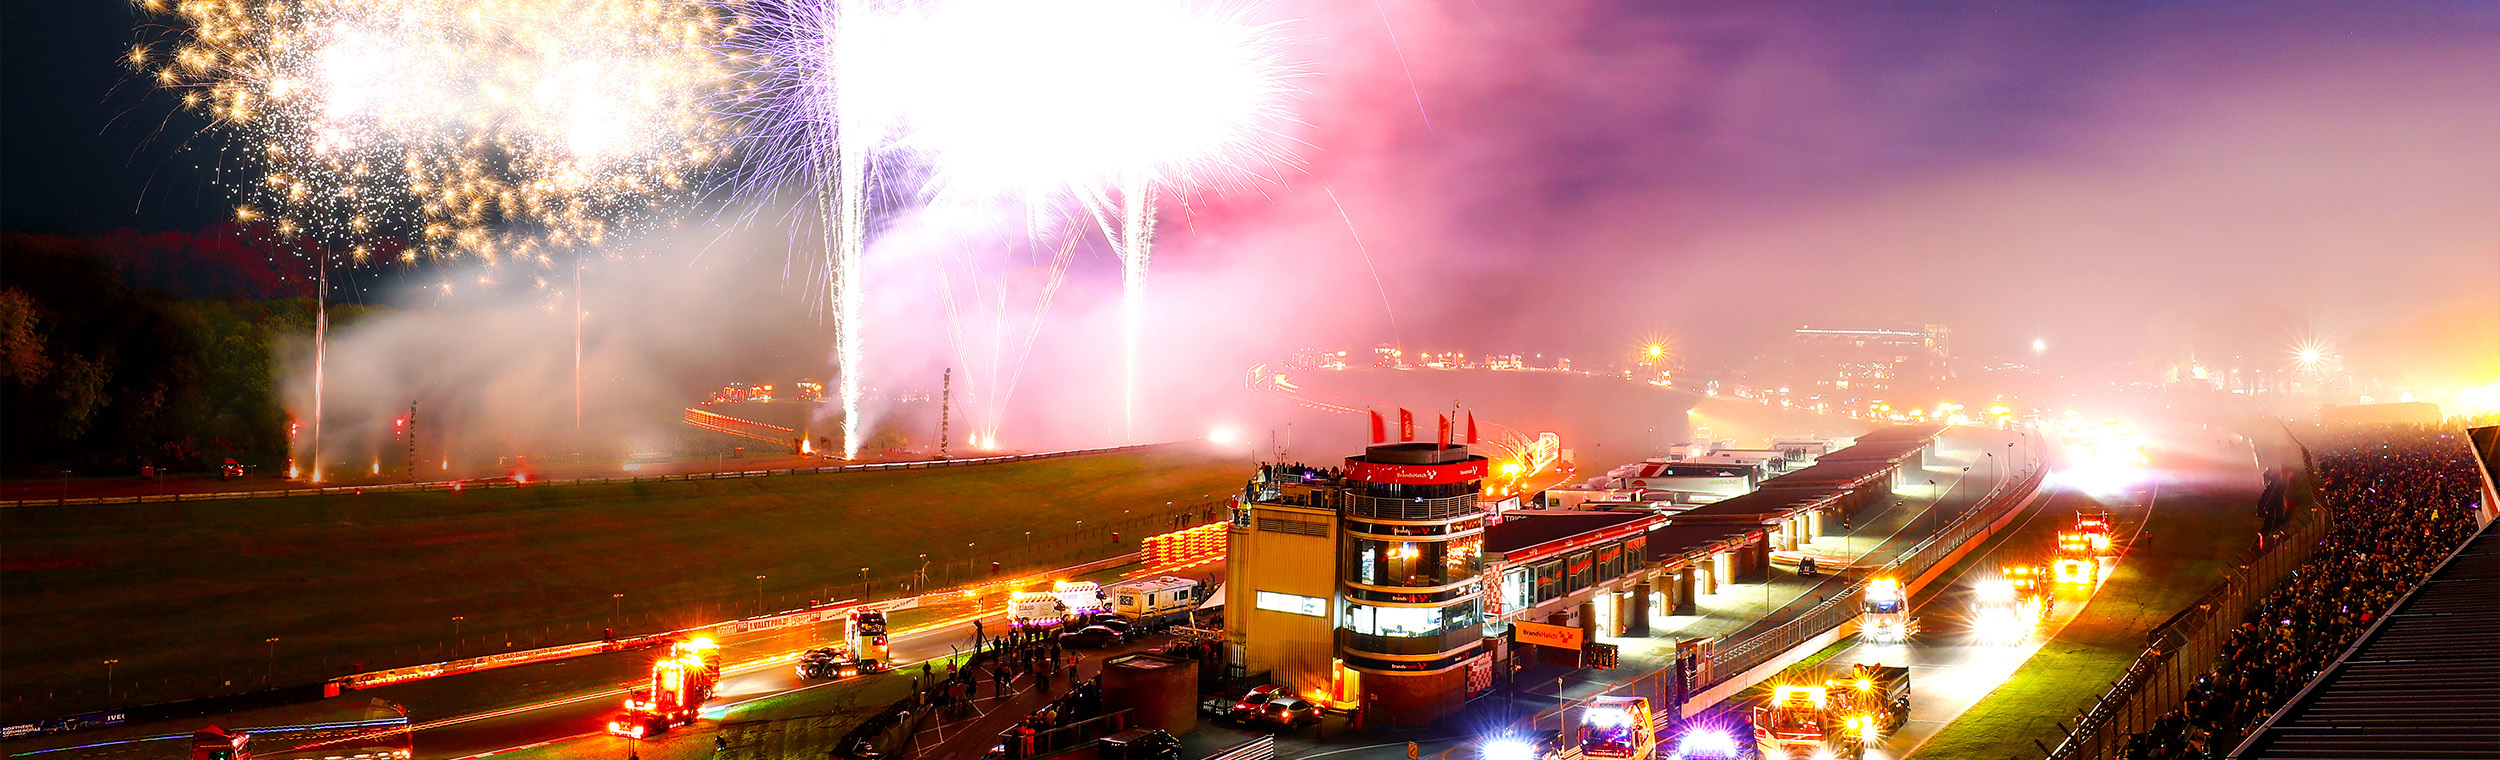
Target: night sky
(1526,174)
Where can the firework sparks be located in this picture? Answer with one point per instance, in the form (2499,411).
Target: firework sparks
(493,128)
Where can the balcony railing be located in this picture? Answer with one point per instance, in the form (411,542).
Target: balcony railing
(1409,645)
(1417,508)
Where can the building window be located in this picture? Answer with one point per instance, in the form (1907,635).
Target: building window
(1415,564)
(1293,604)
(1549,580)
(1518,589)
(1580,571)
(1413,622)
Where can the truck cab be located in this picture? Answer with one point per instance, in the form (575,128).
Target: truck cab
(868,644)
(1886,612)
(1800,724)
(1998,615)
(1618,727)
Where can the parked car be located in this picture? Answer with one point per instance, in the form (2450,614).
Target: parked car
(1113,622)
(1247,707)
(1092,637)
(1139,744)
(1287,712)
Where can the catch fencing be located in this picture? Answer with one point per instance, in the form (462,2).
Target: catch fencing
(2186,646)
(1734,660)
(492,483)
(1721,668)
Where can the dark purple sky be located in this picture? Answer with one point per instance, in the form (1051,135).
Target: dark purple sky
(2123,179)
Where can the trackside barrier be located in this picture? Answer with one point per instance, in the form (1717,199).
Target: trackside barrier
(372,679)
(822,613)
(463,485)
(1728,665)
(2182,649)
(1723,673)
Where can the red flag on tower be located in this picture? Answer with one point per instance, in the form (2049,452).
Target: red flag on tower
(1406,425)
(1445,430)
(1380,428)
(1471,426)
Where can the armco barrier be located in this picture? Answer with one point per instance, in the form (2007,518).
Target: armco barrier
(463,485)
(2184,647)
(378,678)
(1731,662)
(817,614)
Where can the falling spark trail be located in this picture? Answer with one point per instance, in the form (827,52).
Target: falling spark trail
(1410,70)
(1137,243)
(1394,333)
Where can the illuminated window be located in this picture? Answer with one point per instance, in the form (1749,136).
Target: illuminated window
(1293,604)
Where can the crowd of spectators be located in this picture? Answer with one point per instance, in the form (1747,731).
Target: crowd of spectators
(2399,499)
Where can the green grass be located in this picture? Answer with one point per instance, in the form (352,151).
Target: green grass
(2178,560)
(184,594)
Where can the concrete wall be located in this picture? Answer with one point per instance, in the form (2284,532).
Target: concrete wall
(1294,649)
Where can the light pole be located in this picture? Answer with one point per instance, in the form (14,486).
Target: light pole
(759,595)
(619,614)
(108,677)
(269,675)
(864,590)
(455,633)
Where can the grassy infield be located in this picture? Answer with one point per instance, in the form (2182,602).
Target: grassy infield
(185,594)
(2174,564)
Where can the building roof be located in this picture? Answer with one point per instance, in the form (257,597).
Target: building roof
(1672,540)
(1758,507)
(1688,469)
(2422,683)
(1920,433)
(1840,474)
(1520,532)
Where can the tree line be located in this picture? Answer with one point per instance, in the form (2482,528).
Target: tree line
(104,377)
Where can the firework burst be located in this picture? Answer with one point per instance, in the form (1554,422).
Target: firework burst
(500,129)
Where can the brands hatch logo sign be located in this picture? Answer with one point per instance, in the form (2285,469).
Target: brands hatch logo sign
(1416,474)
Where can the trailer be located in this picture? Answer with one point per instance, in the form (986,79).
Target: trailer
(1165,600)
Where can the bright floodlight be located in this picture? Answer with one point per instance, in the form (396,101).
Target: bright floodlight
(1220,436)
(2039,346)
(1708,742)
(1508,749)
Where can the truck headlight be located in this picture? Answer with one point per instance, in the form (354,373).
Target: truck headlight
(1508,749)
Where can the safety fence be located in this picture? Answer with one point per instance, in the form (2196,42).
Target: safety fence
(505,482)
(332,687)
(1721,667)
(1735,659)
(2183,648)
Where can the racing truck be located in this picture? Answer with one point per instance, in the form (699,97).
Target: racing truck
(1998,615)
(1875,697)
(1835,719)
(2080,549)
(868,641)
(681,681)
(1887,614)
(2034,594)
(1620,728)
